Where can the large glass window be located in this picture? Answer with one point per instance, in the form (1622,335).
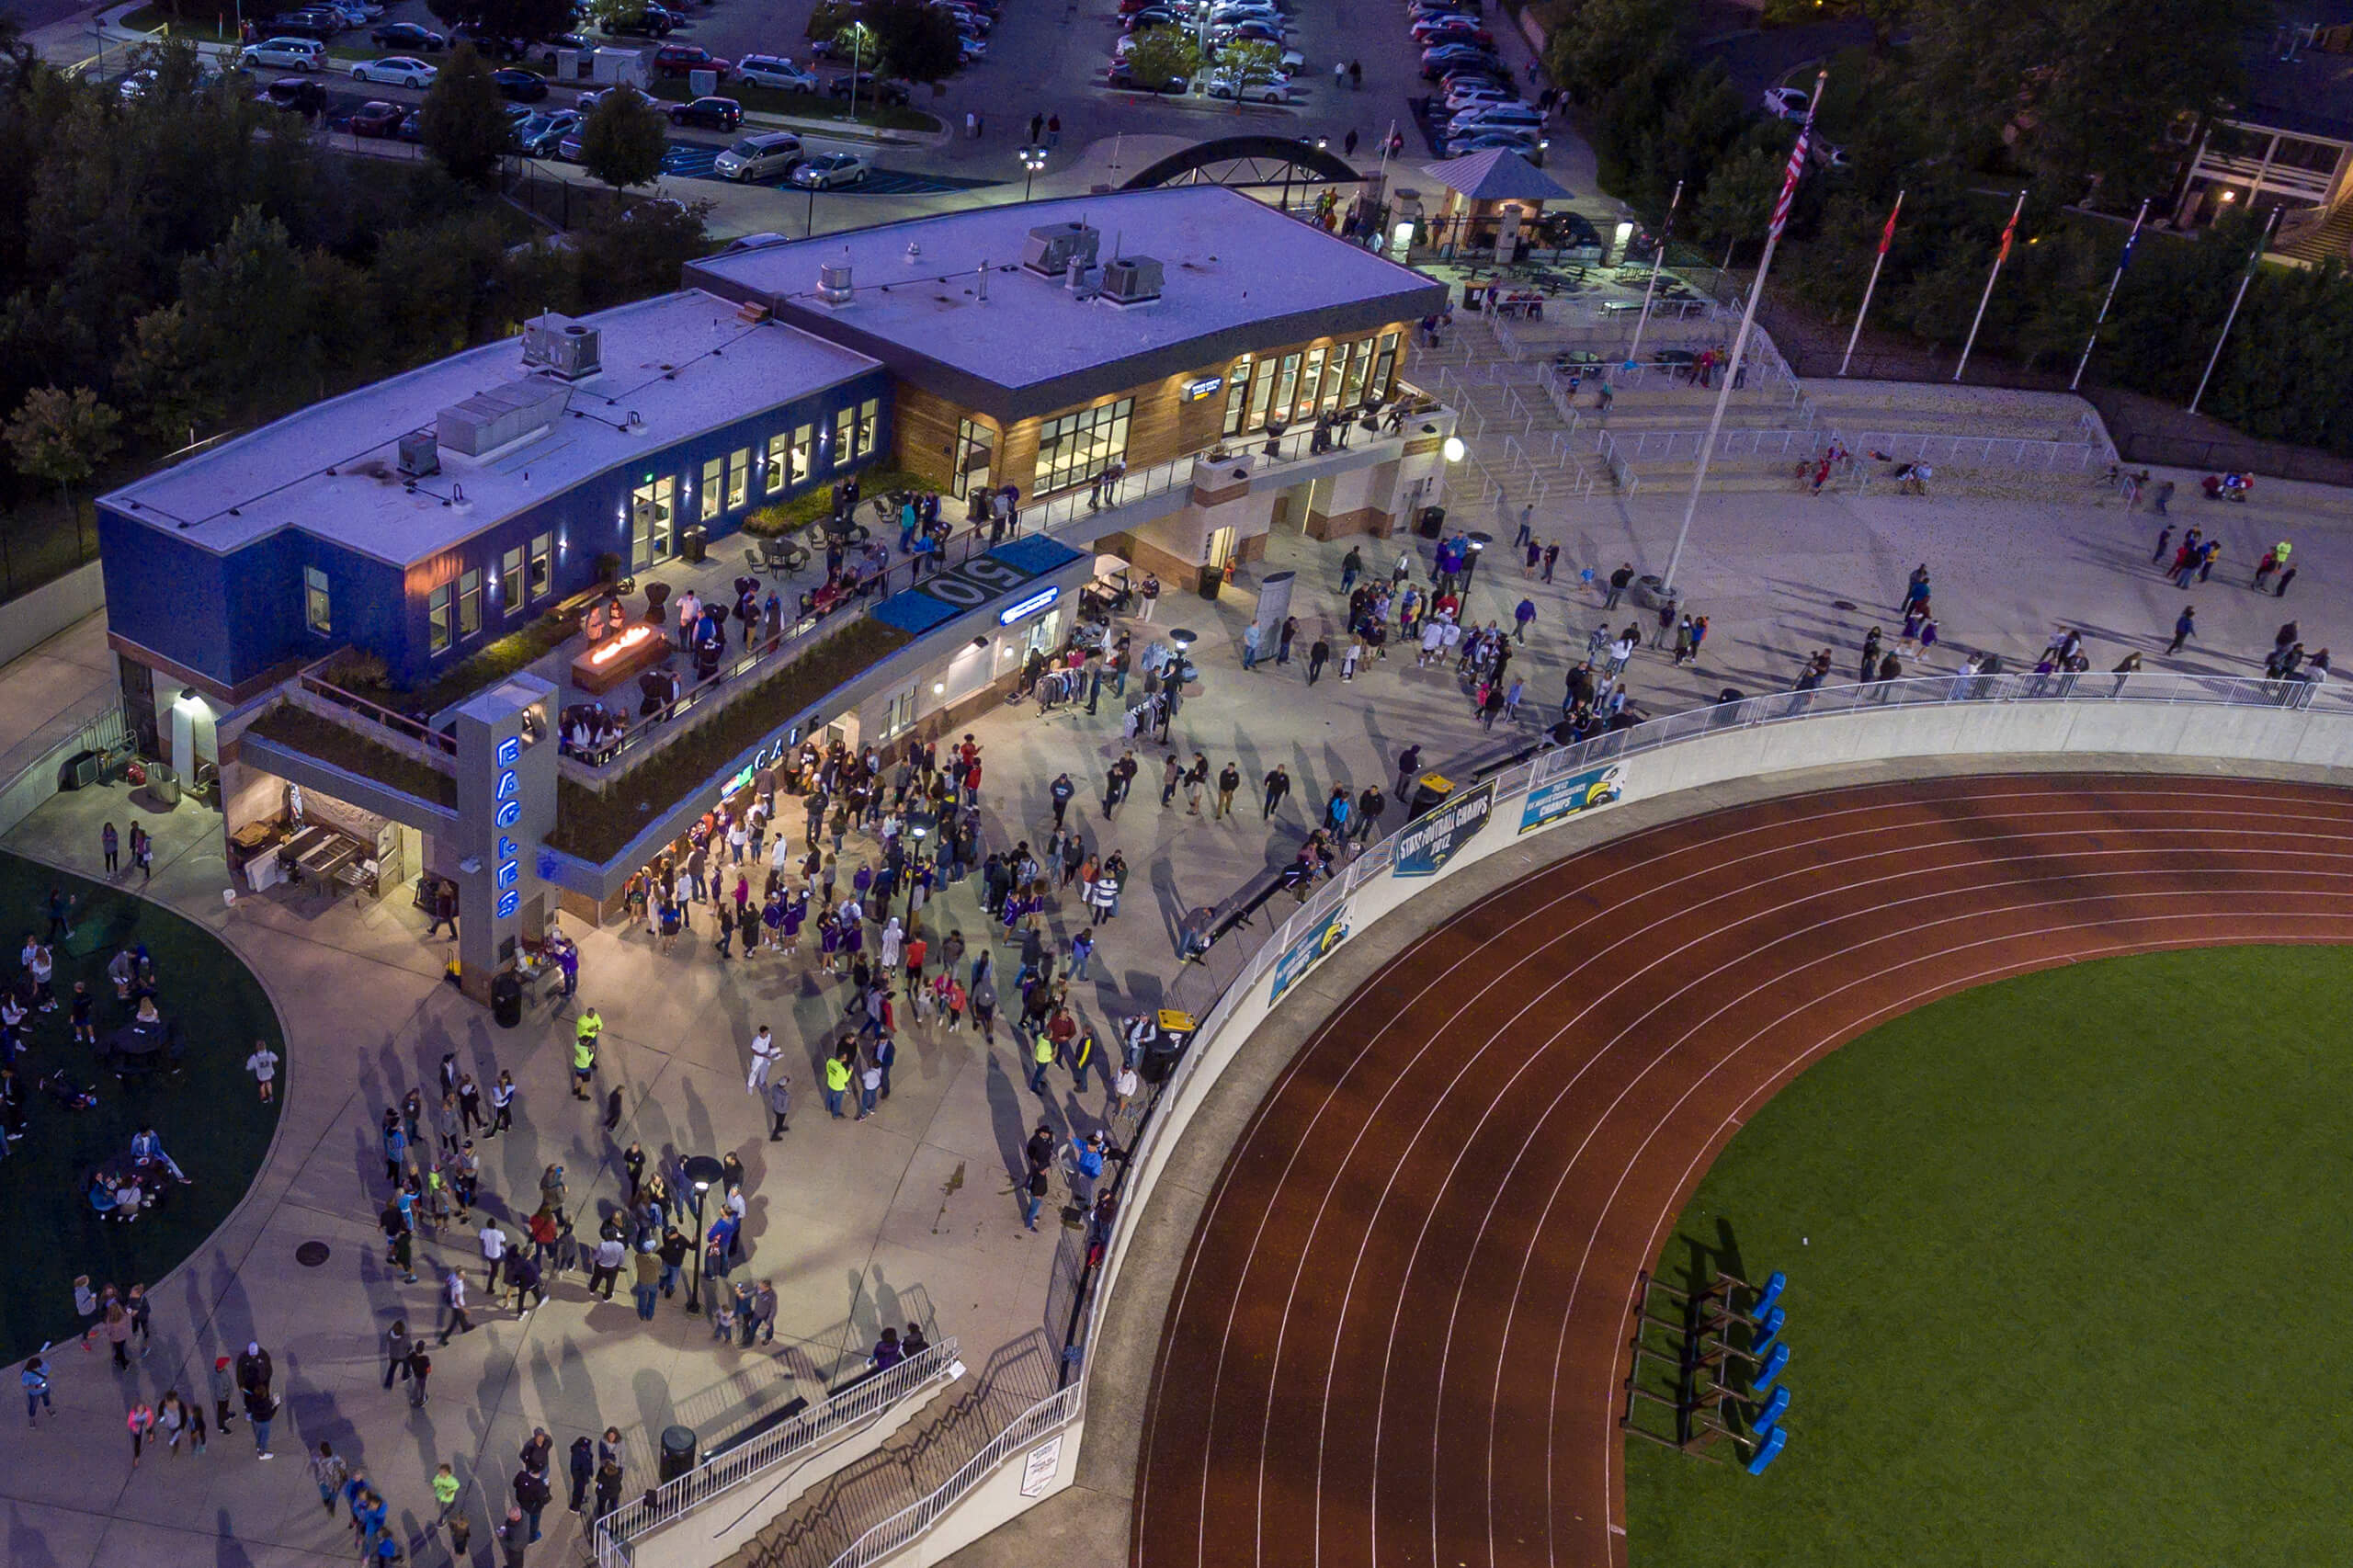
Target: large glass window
(1311,383)
(739,478)
(1286,387)
(315,608)
(542,565)
(1073,449)
(510,581)
(844,435)
(470,603)
(870,424)
(1359,363)
(975,457)
(437,619)
(714,474)
(1382,364)
(1237,394)
(1262,387)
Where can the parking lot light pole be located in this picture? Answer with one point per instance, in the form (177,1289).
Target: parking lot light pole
(1033,158)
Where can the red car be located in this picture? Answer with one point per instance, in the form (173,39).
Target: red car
(1429,34)
(377,120)
(682,59)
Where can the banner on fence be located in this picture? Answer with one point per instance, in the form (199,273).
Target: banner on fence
(1037,1470)
(1563,797)
(1302,956)
(1425,846)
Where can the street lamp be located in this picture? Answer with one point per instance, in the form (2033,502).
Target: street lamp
(1033,158)
(1544,145)
(1183,669)
(1478,543)
(915,870)
(701,1170)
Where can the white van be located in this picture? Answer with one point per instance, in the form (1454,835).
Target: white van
(771,154)
(778,72)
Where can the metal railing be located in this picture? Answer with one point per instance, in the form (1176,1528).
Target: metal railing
(2004,450)
(1050,1414)
(1739,441)
(714,1477)
(434,746)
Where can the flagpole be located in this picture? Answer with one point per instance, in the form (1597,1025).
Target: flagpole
(1987,298)
(1886,238)
(1740,341)
(1656,262)
(2236,299)
(2091,342)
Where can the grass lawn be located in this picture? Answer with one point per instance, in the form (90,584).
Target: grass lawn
(2066,1273)
(208,1116)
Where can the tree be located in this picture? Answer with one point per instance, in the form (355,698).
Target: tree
(169,385)
(1165,55)
(464,124)
(613,15)
(1737,204)
(639,250)
(828,18)
(1604,42)
(856,42)
(65,437)
(622,140)
(254,274)
(918,42)
(1248,63)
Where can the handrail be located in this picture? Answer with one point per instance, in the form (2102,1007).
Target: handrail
(712,1477)
(1048,1414)
(398,722)
(2008,451)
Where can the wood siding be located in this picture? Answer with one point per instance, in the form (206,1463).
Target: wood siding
(925,433)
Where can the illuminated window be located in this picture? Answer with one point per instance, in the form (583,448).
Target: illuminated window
(713,475)
(437,619)
(470,603)
(542,565)
(1073,449)
(739,478)
(314,601)
(869,422)
(510,579)
(844,435)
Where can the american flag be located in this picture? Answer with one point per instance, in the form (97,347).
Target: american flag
(1790,181)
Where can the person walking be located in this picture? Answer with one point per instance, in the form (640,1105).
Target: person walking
(1251,639)
(329,1473)
(501,1106)
(584,1035)
(1278,784)
(1319,653)
(35,1378)
(418,1364)
(765,1056)
(1229,780)
(453,1299)
(2185,627)
(395,1343)
(582,1462)
(780,1104)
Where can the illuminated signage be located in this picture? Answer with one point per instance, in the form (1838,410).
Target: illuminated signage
(507,871)
(1022,608)
(1201,387)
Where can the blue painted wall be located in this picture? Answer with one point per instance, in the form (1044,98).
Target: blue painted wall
(235,617)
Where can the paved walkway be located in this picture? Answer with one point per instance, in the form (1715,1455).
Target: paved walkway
(908,1217)
(49,692)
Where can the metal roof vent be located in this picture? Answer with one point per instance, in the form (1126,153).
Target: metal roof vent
(833,283)
(1052,247)
(562,347)
(420,454)
(1130,280)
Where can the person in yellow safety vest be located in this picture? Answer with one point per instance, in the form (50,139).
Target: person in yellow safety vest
(837,1083)
(1042,1055)
(583,1051)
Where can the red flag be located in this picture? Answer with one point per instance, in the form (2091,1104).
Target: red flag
(2008,234)
(1887,235)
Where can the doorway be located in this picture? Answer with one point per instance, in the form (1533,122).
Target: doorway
(1218,552)
(652,523)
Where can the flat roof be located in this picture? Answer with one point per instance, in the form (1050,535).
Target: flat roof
(1237,275)
(682,364)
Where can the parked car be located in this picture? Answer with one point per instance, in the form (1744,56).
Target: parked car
(355,13)
(540,135)
(1483,141)
(1157,16)
(650,23)
(397,70)
(412,126)
(1473,93)
(827,171)
(683,59)
(137,84)
(1498,114)
(408,36)
(319,24)
(298,94)
(1124,75)
(1225,84)
(712,114)
(376,119)
(1786,103)
(968,50)
(871,88)
(1260,32)
(299,53)
(1826,154)
(1438,61)
(523,86)
(777,72)
(771,154)
(1449,31)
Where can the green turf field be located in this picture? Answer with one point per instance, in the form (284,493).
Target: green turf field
(208,1116)
(2068,1281)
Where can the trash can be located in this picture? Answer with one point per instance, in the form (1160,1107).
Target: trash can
(1649,591)
(695,544)
(507,999)
(1430,792)
(1431,523)
(163,784)
(677,1451)
(1212,581)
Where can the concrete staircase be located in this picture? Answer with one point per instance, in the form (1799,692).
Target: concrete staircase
(2332,240)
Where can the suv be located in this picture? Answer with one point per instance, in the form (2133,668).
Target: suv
(300,54)
(871,88)
(769,155)
(775,71)
(302,95)
(408,35)
(651,23)
(715,114)
(683,59)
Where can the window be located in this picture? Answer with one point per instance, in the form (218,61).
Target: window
(975,456)
(804,446)
(1237,394)
(510,581)
(314,601)
(779,445)
(542,565)
(437,619)
(1075,448)
(739,478)
(1262,387)
(870,421)
(1286,384)
(899,714)
(1381,366)
(1359,363)
(470,603)
(1311,383)
(844,435)
(713,474)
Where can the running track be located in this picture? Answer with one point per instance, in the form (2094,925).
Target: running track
(1397,1339)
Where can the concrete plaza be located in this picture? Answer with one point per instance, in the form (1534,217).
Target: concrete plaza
(909,1217)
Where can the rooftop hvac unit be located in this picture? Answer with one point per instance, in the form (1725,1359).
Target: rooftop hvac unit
(1130,280)
(500,417)
(833,283)
(420,455)
(561,347)
(1052,247)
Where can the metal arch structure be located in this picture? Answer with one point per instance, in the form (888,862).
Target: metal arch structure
(1248,161)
